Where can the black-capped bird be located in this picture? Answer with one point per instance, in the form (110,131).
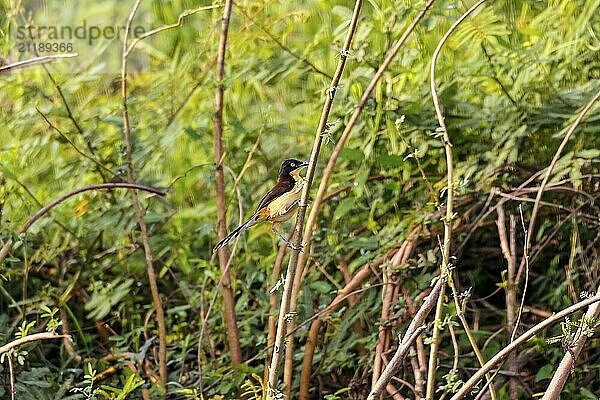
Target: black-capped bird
(278,205)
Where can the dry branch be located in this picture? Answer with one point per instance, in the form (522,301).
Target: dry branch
(139,213)
(298,227)
(568,362)
(414,330)
(449,206)
(31,338)
(501,356)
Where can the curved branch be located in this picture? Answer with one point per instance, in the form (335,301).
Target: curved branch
(44,210)
(449,202)
(298,227)
(31,338)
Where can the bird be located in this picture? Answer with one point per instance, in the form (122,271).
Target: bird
(278,205)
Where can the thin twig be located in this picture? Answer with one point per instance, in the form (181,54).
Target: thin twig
(502,354)
(139,214)
(298,227)
(449,204)
(177,24)
(35,61)
(526,258)
(235,349)
(549,170)
(283,46)
(74,146)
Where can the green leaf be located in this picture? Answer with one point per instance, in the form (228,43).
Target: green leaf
(343,208)
(546,372)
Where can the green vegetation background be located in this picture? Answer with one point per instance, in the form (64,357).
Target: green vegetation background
(511,80)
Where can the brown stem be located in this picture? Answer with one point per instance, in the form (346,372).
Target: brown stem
(139,214)
(508,246)
(228,296)
(309,350)
(415,328)
(67,342)
(293,262)
(384,327)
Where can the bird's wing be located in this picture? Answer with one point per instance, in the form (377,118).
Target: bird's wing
(280,189)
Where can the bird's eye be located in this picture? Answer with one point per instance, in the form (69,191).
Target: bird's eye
(293,164)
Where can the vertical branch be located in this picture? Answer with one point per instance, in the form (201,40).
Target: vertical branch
(228,297)
(310,174)
(139,214)
(384,326)
(414,330)
(318,201)
(272,321)
(449,204)
(508,246)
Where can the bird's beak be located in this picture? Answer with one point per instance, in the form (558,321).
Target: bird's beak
(303,164)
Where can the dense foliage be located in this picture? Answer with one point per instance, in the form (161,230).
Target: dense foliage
(512,79)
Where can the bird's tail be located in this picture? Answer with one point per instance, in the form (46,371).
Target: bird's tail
(236,232)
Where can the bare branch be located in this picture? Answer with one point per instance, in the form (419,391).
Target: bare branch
(224,257)
(312,164)
(35,61)
(566,364)
(449,202)
(502,354)
(139,214)
(31,338)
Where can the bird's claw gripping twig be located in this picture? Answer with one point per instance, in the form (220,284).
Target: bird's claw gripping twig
(297,247)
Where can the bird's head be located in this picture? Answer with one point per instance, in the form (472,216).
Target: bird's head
(292,168)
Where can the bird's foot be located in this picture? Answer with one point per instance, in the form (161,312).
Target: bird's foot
(296,247)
